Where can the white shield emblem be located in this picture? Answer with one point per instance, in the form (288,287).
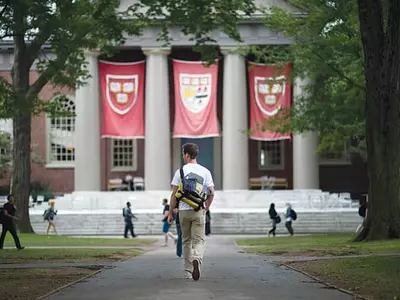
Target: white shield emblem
(269,92)
(121,92)
(195,91)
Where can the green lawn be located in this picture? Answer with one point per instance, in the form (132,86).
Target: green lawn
(317,245)
(53,240)
(378,277)
(65,255)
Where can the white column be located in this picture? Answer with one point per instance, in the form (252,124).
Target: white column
(305,158)
(87,131)
(157,158)
(235,157)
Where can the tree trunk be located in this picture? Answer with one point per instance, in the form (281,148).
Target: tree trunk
(22,170)
(382,61)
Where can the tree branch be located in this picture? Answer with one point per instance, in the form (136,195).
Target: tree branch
(45,77)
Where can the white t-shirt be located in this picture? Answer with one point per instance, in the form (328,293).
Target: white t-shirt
(202,174)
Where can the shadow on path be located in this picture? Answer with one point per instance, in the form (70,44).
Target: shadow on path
(227,275)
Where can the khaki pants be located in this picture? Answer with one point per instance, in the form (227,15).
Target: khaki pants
(192,226)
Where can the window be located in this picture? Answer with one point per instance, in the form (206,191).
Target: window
(271,155)
(123,154)
(61,135)
(337,155)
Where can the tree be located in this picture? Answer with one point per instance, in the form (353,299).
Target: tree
(351,51)
(380,36)
(69,28)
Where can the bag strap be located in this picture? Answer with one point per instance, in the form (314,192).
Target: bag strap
(181,172)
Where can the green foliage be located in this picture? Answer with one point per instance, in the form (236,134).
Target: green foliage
(39,188)
(196,19)
(326,49)
(5,153)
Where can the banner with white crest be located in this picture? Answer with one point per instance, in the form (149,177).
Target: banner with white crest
(122,86)
(195,88)
(270,91)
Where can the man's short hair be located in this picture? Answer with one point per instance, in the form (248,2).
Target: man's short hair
(9,197)
(191,149)
(165,200)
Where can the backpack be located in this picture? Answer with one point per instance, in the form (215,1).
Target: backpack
(293,215)
(123,212)
(45,215)
(190,191)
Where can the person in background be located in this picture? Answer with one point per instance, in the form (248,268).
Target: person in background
(274,217)
(49,215)
(8,219)
(167,223)
(179,233)
(362,212)
(208,223)
(289,218)
(128,216)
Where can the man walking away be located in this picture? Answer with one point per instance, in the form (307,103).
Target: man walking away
(128,215)
(193,187)
(7,219)
(167,223)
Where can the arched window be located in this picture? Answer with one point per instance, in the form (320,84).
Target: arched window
(61,135)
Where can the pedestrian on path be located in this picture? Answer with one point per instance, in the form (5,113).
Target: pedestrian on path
(290,216)
(49,215)
(167,224)
(208,223)
(128,216)
(276,219)
(179,233)
(194,187)
(362,212)
(7,219)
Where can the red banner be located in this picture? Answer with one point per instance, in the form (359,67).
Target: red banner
(122,86)
(270,90)
(195,99)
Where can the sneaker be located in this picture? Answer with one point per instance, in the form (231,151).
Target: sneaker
(21,248)
(187,275)
(164,245)
(196,270)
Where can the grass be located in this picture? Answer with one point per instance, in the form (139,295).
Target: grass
(27,284)
(54,240)
(317,245)
(378,277)
(12,256)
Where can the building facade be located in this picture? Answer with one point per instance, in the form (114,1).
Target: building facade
(77,158)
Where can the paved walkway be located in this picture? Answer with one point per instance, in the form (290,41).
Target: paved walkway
(227,275)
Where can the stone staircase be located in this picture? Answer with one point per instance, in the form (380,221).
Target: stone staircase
(233,212)
(111,223)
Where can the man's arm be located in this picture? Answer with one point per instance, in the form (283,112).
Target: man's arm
(210,197)
(8,215)
(172,201)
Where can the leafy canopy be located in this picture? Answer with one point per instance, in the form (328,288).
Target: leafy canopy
(68,28)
